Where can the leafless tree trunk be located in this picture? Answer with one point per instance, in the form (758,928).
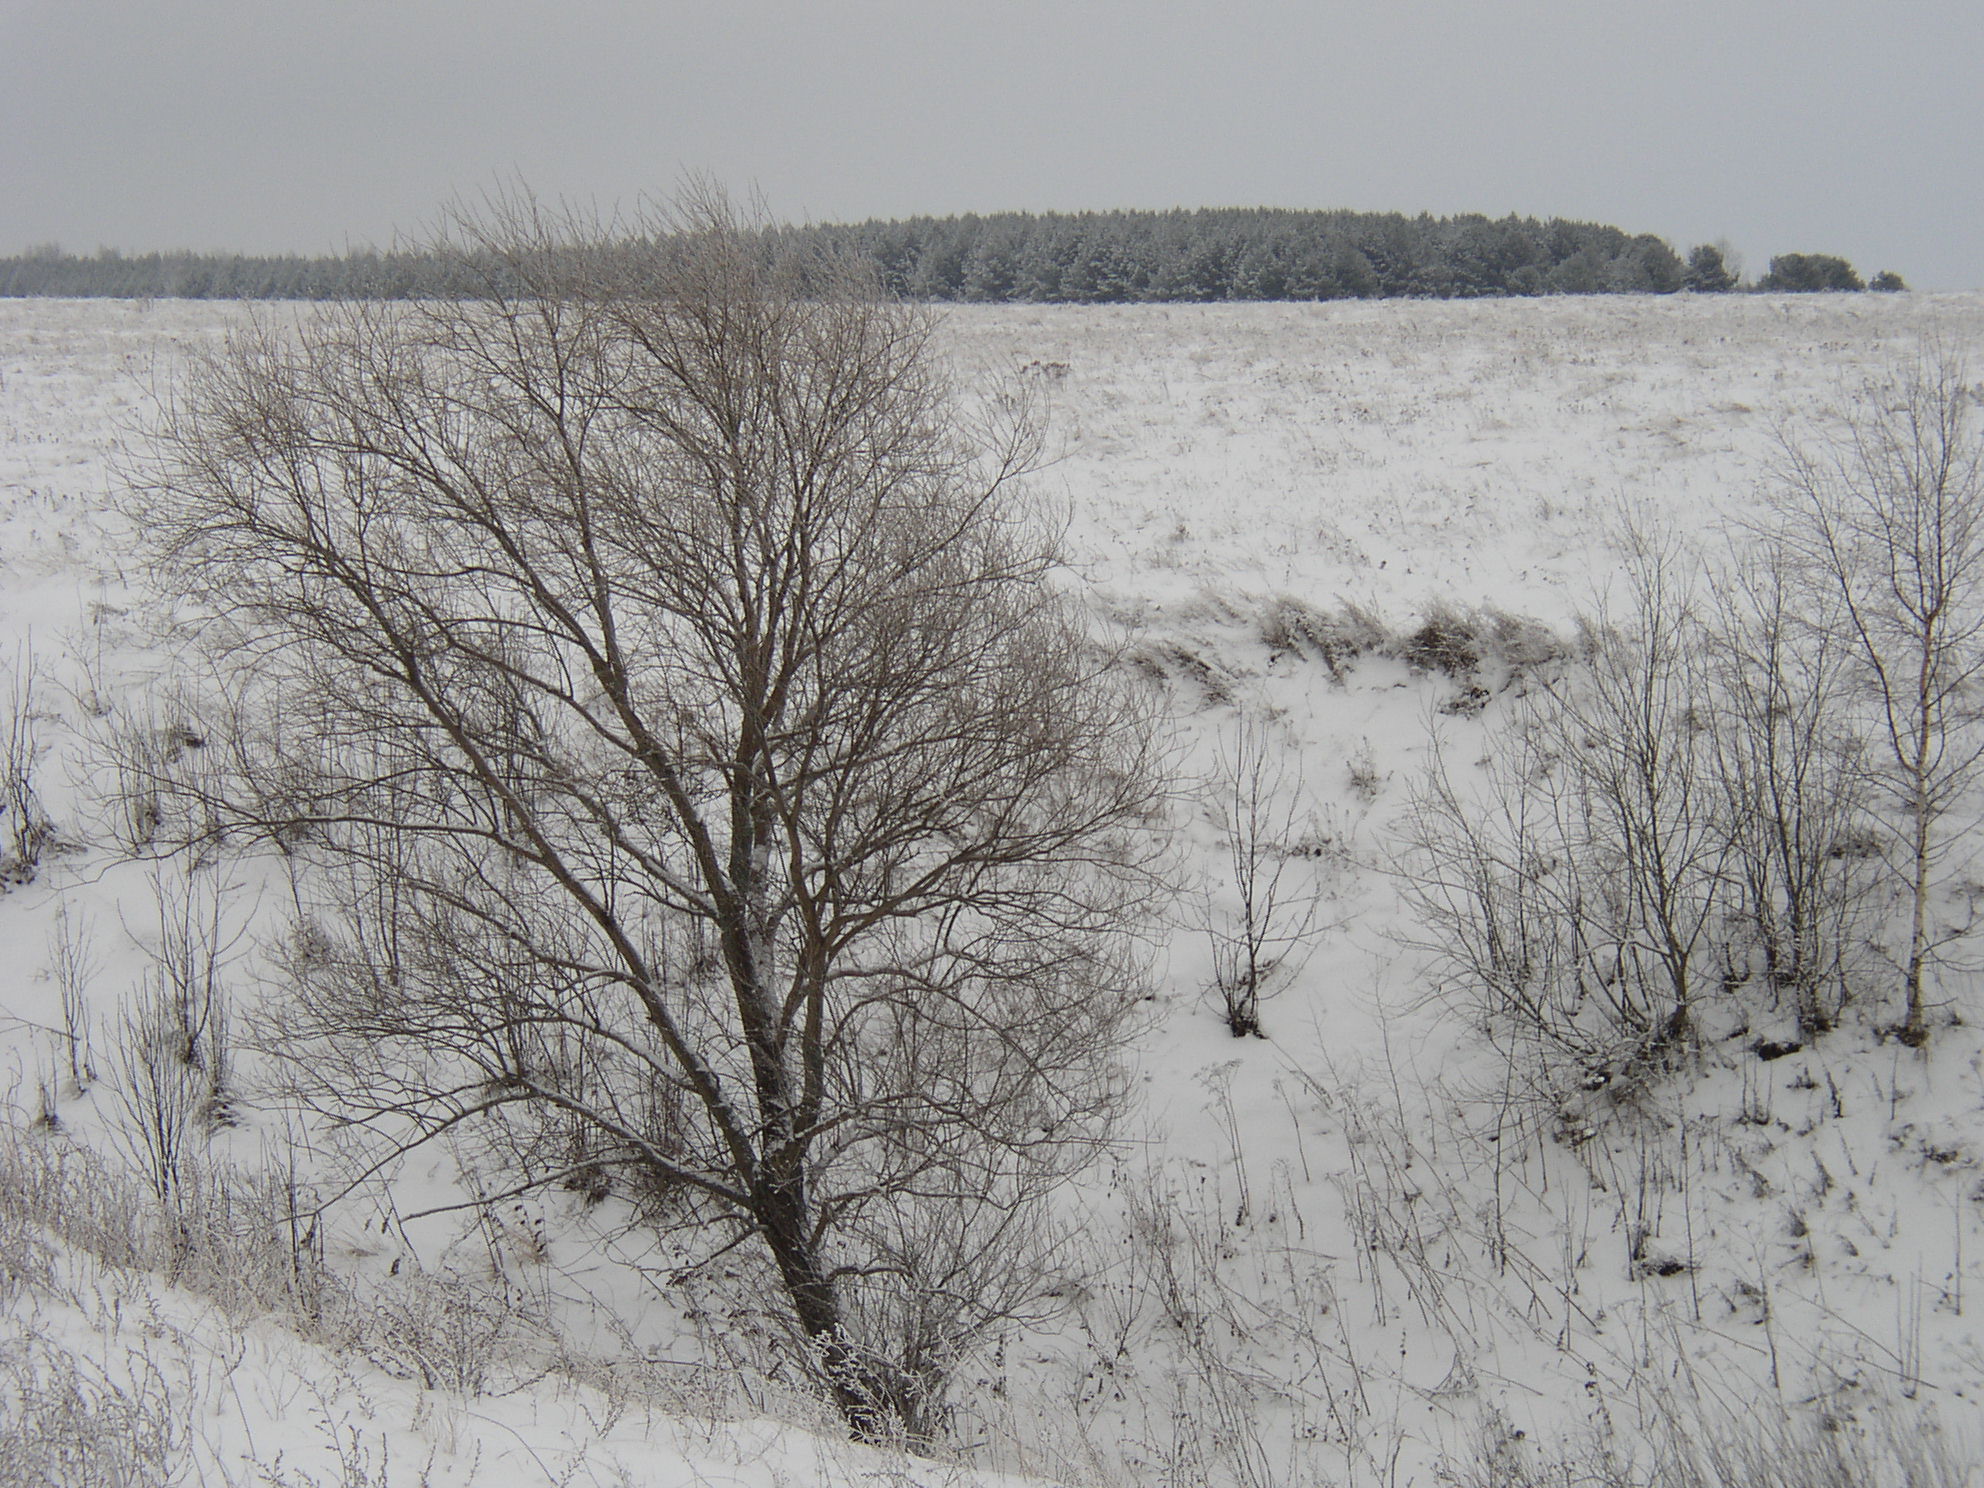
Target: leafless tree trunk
(1886,514)
(702,782)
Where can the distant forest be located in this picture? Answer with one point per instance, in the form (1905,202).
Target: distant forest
(1051,257)
(1112,257)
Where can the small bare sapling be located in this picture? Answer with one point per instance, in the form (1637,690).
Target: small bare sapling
(74,964)
(1268,915)
(25,830)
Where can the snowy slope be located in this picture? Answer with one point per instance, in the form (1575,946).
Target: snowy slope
(1336,1254)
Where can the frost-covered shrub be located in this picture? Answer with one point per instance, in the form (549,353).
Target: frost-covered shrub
(1444,642)
(67,1422)
(1291,627)
(1692,1440)
(26,832)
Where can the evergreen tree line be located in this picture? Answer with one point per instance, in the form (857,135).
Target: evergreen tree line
(1075,258)
(361,275)
(1103,257)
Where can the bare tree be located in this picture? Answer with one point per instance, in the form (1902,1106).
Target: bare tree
(159,1092)
(1792,773)
(25,830)
(1502,900)
(1572,901)
(1272,920)
(704,789)
(1887,515)
(1631,738)
(74,964)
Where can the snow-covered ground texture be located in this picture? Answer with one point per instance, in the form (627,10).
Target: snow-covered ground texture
(1353,1250)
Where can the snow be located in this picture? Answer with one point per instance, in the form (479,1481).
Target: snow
(1336,1254)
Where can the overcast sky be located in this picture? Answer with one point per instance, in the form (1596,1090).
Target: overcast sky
(1840,126)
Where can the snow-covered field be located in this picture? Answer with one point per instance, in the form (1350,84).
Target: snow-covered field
(1329,1255)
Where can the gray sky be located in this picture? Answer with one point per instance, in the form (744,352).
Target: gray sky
(1837,126)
